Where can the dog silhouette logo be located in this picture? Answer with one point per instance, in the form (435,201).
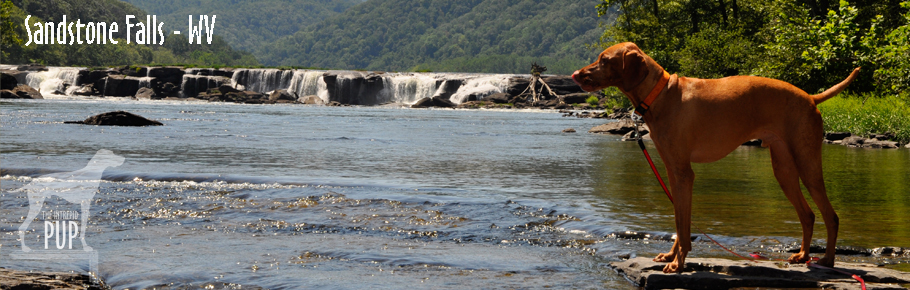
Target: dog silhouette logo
(77,187)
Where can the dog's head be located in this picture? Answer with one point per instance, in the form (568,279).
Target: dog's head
(622,65)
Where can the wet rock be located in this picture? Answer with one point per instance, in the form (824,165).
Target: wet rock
(891,251)
(860,142)
(134,71)
(13,279)
(707,273)
(8,80)
(423,103)
(167,74)
(449,88)
(192,85)
(117,118)
(354,88)
(887,136)
(312,100)
(21,92)
(575,98)
(277,95)
(32,67)
(569,130)
(620,127)
(166,89)
(433,102)
(92,76)
(498,98)
(835,136)
(86,90)
(443,103)
(146,94)
(120,86)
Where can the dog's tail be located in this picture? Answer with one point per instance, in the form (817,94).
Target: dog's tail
(836,89)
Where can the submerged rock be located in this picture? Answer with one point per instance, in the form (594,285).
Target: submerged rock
(706,273)
(117,118)
(13,279)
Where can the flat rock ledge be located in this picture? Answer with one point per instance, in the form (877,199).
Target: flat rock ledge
(14,279)
(710,273)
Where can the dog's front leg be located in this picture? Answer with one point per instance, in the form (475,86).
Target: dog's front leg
(681,180)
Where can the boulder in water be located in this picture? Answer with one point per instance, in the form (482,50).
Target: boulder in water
(312,100)
(146,94)
(21,92)
(8,80)
(117,118)
(278,95)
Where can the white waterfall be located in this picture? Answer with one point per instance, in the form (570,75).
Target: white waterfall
(56,80)
(409,88)
(262,80)
(307,83)
(481,86)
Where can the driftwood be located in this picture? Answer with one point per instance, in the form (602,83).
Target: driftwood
(535,77)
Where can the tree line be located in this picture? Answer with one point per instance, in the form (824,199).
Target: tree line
(810,43)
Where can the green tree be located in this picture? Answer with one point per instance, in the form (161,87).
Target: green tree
(9,34)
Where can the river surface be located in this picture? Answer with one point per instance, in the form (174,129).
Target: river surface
(289,196)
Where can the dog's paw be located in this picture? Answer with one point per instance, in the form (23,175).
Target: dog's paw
(673,267)
(798,258)
(665,257)
(825,262)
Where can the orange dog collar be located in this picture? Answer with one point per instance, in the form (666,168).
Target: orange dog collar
(646,104)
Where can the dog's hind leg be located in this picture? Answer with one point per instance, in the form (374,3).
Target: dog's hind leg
(810,171)
(788,176)
(35,203)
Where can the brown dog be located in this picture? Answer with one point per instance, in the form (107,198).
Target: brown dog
(703,120)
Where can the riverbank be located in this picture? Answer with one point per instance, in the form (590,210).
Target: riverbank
(883,117)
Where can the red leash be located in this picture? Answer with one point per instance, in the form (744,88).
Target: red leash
(755,255)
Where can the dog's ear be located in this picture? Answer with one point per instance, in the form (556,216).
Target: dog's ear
(634,69)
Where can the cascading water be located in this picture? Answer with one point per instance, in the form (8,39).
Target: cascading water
(56,80)
(409,88)
(262,80)
(307,83)
(347,87)
(481,86)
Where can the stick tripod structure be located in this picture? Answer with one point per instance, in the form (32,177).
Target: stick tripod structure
(535,77)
